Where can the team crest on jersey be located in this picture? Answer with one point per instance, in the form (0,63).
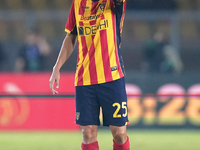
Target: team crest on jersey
(102,6)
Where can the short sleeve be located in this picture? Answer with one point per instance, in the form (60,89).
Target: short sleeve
(71,22)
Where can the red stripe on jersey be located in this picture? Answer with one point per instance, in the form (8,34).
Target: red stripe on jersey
(94,7)
(71,20)
(80,76)
(93,22)
(102,17)
(81,70)
(105,55)
(82,7)
(81,23)
(115,40)
(92,64)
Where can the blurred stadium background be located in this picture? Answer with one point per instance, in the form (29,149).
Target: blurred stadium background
(160,49)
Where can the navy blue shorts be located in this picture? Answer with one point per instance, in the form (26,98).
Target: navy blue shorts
(110,96)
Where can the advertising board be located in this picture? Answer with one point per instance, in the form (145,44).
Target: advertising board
(26,102)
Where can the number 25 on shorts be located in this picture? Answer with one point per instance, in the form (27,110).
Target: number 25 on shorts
(123,106)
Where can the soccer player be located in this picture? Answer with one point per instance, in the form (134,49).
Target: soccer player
(99,79)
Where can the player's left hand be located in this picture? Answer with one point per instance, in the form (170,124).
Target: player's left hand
(55,77)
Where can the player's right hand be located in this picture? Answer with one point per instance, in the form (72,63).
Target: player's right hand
(55,77)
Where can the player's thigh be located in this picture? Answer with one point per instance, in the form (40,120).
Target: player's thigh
(113,100)
(87,106)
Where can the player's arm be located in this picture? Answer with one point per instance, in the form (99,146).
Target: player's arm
(67,48)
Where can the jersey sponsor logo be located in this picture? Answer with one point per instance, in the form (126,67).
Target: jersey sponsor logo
(85,7)
(102,6)
(92,17)
(88,30)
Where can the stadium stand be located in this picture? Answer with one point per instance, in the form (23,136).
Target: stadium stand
(2,4)
(184,4)
(47,29)
(189,30)
(60,4)
(16,4)
(3,31)
(141,29)
(19,29)
(39,4)
(65,4)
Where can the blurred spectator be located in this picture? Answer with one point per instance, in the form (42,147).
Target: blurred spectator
(160,56)
(32,53)
(2,56)
(152,5)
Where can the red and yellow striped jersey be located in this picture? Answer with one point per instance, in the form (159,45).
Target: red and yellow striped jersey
(98,24)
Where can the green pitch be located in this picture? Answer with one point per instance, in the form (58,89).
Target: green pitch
(139,139)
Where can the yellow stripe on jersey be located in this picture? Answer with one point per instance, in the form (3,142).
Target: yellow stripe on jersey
(98,58)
